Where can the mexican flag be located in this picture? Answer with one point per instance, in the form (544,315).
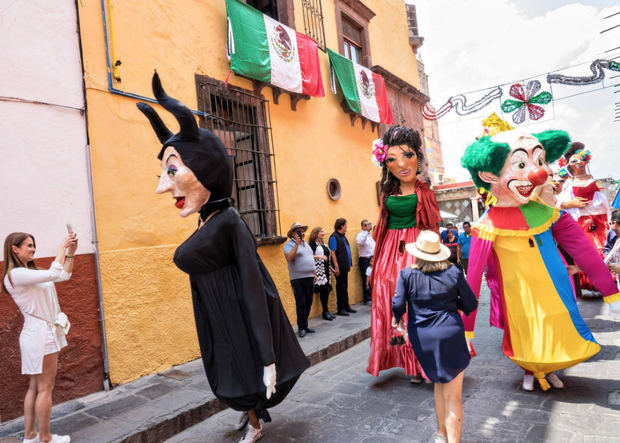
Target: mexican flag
(264,49)
(363,90)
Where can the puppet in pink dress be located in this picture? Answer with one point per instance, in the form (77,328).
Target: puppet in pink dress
(584,201)
(408,206)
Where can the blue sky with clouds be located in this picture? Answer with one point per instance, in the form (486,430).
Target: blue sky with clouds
(472,45)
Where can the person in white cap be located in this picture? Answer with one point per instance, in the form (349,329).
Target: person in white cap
(433,291)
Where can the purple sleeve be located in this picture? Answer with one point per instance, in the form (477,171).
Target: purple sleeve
(571,238)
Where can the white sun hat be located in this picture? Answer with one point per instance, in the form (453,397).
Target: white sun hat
(428,247)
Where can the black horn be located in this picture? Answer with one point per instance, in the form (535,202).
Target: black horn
(187,121)
(163,133)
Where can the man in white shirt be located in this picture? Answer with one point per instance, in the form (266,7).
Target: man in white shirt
(365,250)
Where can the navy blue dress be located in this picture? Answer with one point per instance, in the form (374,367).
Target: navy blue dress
(436,331)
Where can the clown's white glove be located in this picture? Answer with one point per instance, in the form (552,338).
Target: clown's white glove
(269,379)
(614,310)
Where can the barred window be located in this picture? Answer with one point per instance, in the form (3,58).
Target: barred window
(241,120)
(313,21)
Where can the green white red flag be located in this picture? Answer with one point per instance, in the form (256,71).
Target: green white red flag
(264,49)
(364,91)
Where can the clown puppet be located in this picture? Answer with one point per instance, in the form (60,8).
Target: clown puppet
(249,350)
(584,201)
(543,330)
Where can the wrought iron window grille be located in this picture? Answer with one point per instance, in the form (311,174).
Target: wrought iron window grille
(313,21)
(242,121)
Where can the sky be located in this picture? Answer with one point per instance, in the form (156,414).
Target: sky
(471,46)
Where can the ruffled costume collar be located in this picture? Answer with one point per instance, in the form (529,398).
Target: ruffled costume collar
(526,220)
(213,205)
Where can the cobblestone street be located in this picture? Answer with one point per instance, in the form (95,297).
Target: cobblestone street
(337,401)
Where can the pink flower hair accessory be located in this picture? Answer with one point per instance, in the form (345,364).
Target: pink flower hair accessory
(379,151)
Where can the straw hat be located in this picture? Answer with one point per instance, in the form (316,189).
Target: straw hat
(295,226)
(428,247)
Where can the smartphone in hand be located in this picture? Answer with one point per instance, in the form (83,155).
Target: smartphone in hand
(69,228)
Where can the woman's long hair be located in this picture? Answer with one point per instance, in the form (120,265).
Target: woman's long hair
(11,260)
(315,234)
(399,135)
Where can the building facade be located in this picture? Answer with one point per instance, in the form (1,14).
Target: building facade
(296,158)
(46,184)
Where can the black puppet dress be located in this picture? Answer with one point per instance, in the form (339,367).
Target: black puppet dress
(241,323)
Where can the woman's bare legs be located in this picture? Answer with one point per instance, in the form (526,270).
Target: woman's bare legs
(254,419)
(453,405)
(43,403)
(30,430)
(440,410)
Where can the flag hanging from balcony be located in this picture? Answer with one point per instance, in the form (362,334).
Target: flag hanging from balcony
(363,90)
(261,48)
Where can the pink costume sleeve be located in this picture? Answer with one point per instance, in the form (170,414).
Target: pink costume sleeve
(496,317)
(569,236)
(479,253)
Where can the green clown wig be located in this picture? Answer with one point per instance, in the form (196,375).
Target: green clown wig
(485,155)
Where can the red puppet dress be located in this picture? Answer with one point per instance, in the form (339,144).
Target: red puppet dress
(402,218)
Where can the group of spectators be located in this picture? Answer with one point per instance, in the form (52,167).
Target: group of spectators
(311,264)
(458,243)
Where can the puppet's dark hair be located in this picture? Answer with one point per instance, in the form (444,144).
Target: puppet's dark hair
(394,136)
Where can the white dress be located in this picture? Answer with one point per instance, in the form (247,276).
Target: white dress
(35,295)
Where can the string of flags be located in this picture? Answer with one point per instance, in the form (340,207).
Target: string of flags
(527,100)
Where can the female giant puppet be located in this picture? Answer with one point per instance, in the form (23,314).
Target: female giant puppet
(251,355)
(543,330)
(582,198)
(408,206)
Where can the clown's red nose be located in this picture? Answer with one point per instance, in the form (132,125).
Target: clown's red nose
(537,176)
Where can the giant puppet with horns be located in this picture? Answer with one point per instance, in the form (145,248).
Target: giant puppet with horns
(516,237)
(250,353)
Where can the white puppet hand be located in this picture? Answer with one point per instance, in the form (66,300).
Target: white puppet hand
(614,310)
(269,379)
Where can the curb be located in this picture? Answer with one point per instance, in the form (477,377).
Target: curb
(186,419)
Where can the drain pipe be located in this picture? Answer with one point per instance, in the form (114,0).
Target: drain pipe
(93,219)
(111,87)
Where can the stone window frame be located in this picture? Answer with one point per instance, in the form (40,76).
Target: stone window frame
(359,14)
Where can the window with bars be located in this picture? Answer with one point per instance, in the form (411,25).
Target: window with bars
(313,21)
(241,120)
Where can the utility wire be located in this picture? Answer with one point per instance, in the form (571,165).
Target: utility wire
(38,102)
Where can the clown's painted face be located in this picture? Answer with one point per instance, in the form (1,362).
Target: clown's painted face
(525,169)
(188,192)
(402,162)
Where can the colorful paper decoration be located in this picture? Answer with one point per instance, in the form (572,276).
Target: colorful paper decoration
(526,100)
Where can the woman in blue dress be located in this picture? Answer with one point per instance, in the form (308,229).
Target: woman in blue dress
(434,291)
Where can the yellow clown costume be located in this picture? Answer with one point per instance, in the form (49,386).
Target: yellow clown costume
(543,329)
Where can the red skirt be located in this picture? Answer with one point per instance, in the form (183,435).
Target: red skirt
(389,261)
(595,227)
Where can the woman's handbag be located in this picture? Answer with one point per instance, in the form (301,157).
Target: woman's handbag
(63,322)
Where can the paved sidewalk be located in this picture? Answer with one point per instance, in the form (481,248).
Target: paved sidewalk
(337,401)
(156,407)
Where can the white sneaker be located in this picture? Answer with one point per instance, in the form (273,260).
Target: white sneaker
(438,438)
(31,440)
(244,418)
(59,439)
(252,435)
(554,380)
(528,382)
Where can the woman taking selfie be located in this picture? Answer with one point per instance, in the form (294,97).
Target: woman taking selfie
(45,326)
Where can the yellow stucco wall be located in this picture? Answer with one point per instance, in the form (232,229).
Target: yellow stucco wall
(147,302)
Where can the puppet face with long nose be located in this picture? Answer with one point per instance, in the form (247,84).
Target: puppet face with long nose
(188,193)
(524,170)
